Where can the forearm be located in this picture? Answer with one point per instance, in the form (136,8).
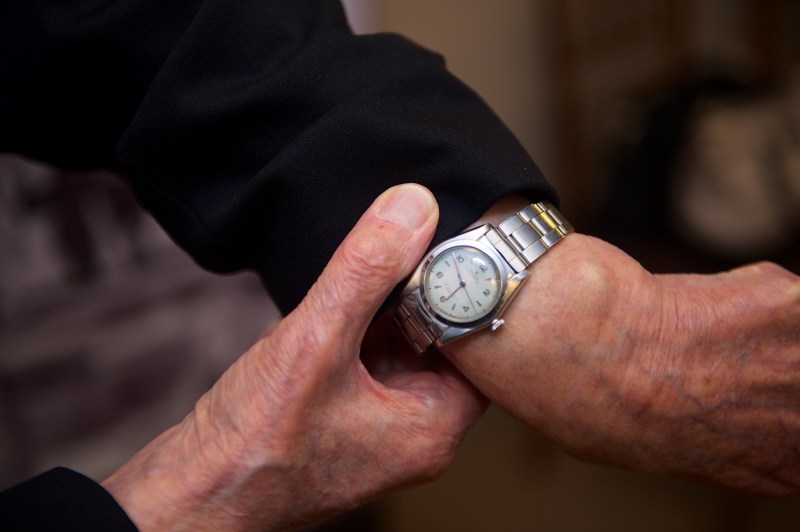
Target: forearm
(159,487)
(530,366)
(682,374)
(192,476)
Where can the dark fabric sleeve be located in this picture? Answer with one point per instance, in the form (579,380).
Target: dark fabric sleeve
(62,500)
(256,131)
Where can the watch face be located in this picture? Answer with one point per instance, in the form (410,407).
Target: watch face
(462,284)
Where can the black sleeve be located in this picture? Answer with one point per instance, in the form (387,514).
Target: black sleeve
(256,131)
(62,500)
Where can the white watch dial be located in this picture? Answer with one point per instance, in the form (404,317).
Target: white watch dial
(462,284)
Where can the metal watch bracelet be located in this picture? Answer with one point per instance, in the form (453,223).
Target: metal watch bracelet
(520,240)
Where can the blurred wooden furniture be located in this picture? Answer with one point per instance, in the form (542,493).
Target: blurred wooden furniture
(606,58)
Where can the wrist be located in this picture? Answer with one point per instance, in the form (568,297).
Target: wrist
(178,481)
(567,347)
(151,487)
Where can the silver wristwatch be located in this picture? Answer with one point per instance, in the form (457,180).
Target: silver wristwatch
(465,283)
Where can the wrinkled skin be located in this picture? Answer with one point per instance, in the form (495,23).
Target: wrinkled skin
(689,375)
(297,429)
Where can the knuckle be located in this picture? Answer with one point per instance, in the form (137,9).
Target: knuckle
(364,265)
(437,445)
(440,457)
(768,270)
(373,252)
(781,285)
(288,364)
(772,269)
(428,447)
(367,261)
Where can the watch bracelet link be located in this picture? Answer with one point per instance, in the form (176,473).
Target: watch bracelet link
(520,240)
(415,325)
(525,236)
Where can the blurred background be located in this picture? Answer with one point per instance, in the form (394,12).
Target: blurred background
(670,127)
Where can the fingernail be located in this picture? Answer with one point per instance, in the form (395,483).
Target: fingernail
(407,205)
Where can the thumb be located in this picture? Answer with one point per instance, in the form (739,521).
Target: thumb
(381,250)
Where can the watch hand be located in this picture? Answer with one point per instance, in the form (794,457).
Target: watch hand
(458,270)
(470,299)
(460,286)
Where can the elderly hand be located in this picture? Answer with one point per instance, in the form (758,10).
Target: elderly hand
(689,375)
(297,429)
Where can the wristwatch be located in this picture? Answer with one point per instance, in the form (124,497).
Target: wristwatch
(465,283)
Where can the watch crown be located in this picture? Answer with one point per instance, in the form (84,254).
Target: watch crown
(496,324)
